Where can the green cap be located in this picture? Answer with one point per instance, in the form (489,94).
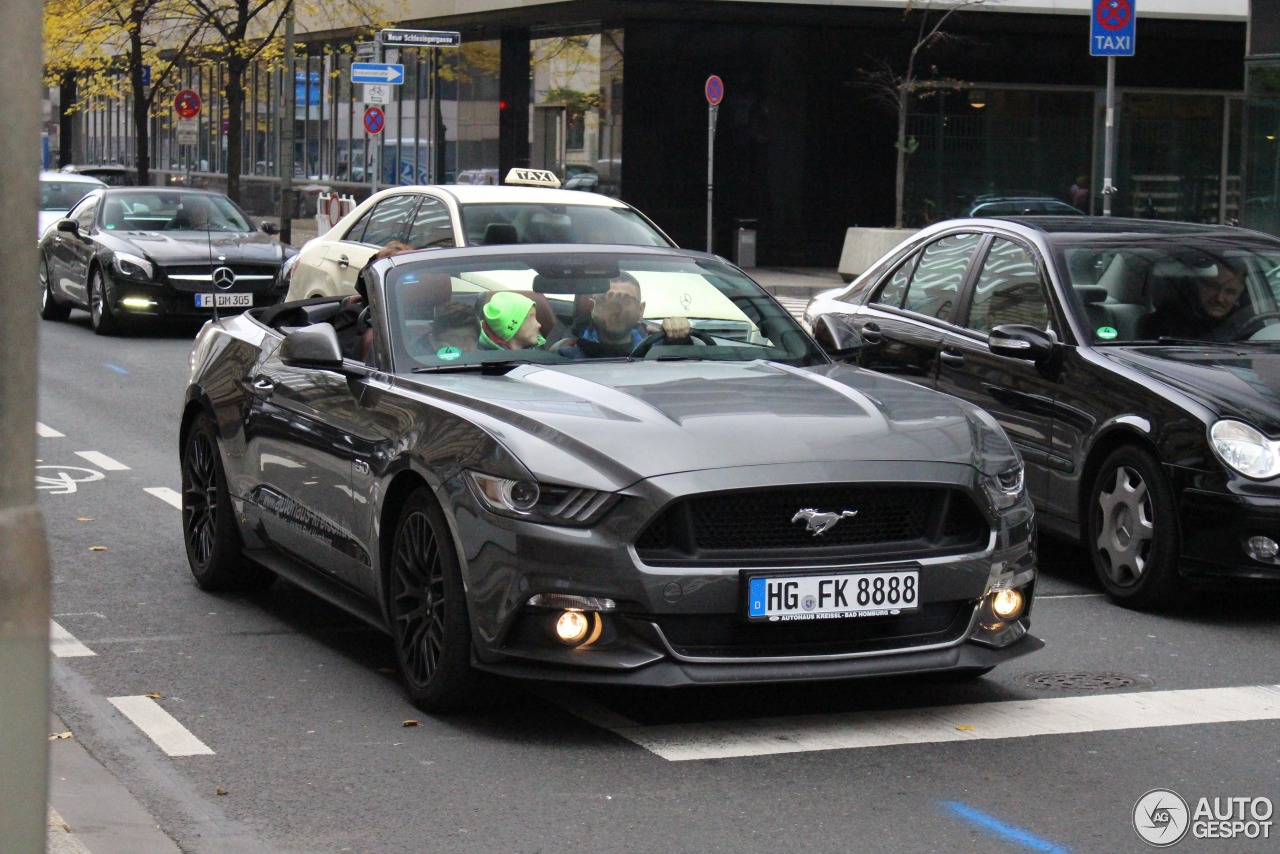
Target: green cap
(505,312)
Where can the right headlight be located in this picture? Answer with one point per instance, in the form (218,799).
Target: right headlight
(1246,450)
(1004,489)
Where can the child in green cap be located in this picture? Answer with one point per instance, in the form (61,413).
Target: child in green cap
(510,323)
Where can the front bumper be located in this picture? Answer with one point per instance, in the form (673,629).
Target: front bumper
(683,623)
(1215,529)
(163,301)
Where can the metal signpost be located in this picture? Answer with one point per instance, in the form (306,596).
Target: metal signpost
(714,90)
(1112,33)
(374,121)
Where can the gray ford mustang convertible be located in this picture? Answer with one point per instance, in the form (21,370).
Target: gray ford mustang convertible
(601,464)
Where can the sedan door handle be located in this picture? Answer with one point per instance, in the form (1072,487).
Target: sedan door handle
(952,359)
(871,333)
(344,262)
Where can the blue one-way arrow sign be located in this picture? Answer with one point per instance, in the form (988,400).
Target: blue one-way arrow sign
(1114,28)
(377,72)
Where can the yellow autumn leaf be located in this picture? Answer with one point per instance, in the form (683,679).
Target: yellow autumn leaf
(153,696)
(965,728)
(409,723)
(56,735)
(85,519)
(97,548)
(219,791)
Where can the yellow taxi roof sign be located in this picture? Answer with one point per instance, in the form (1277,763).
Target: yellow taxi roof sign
(532,178)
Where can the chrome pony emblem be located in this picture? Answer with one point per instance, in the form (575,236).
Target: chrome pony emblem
(224,277)
(819,522)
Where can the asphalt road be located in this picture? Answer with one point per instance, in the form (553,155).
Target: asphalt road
(291,730)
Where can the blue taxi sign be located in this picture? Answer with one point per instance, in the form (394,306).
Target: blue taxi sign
(1113,31)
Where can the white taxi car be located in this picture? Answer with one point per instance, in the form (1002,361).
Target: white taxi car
(529,207)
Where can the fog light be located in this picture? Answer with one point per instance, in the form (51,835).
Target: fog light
(572,627)
(1007,604)
(137,303)
(1262,548)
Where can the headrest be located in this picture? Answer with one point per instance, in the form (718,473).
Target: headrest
(418,300)
(1091,293)
(500,233)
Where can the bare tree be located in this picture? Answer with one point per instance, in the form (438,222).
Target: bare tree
(896,89)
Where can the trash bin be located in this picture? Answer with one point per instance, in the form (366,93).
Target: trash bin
(744,242)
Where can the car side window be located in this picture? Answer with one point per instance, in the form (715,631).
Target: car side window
(84,215)
(936,281)
(1008,290)
(432,226)
(896,288)
(387,221)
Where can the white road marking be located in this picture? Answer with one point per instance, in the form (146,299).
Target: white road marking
(166,495)
(977,721)
(102,461)
(63,644)
(160,726)
(44,431)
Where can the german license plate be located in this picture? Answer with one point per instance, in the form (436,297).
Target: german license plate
(832,597)
(224,300)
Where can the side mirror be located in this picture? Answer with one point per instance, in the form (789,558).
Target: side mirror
(1018,341)
(69,226)
(269,227)
(314,346)
(837,335)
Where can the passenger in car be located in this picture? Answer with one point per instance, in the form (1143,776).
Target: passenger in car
(615,328)
(455,327)
(510,323)
(1204,308)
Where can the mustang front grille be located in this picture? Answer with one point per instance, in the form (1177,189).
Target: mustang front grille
(811,522)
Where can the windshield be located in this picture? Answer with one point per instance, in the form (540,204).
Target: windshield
(151,211)
(560,308)
(1175,289)
(491,224)
(62,195)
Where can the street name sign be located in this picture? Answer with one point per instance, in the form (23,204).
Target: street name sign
(377,72)
(420,38)
(1113,28)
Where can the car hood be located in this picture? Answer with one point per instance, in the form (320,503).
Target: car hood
(1240,382)
(656,418)
(196,247)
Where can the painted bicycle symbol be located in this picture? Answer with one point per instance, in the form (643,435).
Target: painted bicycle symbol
(62,480)
(1114,14)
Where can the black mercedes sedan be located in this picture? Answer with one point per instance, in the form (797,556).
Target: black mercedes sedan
(130,254)
(522,470)
(1135,364)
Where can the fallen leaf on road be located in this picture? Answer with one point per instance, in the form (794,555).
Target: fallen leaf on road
(965,728)
(97,548)
(56,735)
(85,519)
(153,696)
(219,791)
(409,723)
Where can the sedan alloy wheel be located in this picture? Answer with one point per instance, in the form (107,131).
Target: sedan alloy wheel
(101,314)
(50,308)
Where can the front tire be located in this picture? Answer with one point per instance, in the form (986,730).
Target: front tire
(1133,530)
(50,308)
(101,314)
(214,548)
(428,610)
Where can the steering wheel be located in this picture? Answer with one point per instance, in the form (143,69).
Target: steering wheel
(639,351)
(1248,330)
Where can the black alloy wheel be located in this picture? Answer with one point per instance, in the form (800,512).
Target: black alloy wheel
(50,308)
(428,610)
(214,547)
(101,314)
(1133,530)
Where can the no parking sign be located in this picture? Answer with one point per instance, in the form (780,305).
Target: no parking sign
(1114,27)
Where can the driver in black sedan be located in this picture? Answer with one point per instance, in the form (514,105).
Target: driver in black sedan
(1206,308)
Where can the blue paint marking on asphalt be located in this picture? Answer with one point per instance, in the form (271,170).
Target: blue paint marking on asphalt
(1016,835)
(116,368)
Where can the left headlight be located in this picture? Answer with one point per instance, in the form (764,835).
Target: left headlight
(286,272)
(538,502)
(1246,450)
(1006,488)
(132,267)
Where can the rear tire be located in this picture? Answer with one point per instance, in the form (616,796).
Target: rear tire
(50,308)
(1133,534)
(214,548)
(428,610)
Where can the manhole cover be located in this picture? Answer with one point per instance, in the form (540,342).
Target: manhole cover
(1065,680)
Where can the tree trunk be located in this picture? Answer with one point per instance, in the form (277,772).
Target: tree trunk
(141,111)
(900,181)
(235,124)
